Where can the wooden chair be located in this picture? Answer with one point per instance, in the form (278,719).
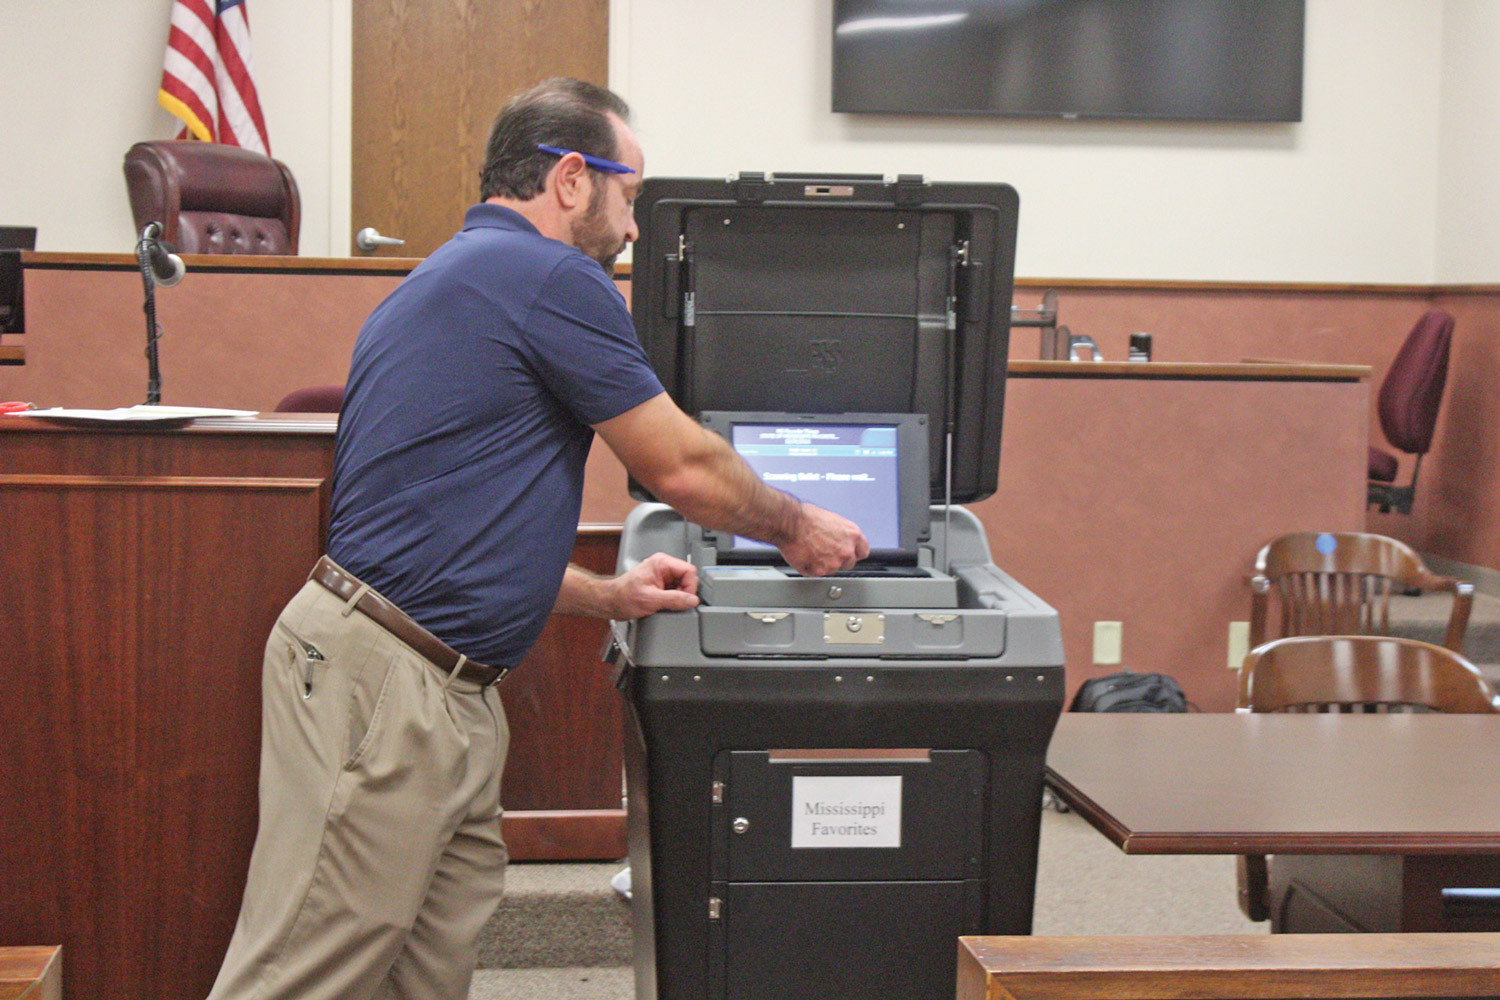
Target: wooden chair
(1350,673)
(1341,584)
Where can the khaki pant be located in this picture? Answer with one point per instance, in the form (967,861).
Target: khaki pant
(378,858)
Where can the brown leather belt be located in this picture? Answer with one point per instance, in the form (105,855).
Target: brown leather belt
(391,618)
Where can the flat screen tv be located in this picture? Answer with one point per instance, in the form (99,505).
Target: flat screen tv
(1219,60)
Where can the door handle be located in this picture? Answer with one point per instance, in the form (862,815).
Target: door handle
(369,238)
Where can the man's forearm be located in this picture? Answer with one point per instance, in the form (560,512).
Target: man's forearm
(581,593)
(697,472)
(721,492)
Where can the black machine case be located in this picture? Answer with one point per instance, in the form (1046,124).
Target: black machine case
(831,294)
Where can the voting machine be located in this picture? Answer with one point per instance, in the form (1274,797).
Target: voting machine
(829,779)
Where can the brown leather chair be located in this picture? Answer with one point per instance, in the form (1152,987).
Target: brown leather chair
(313,399)
(212,198)
(1408,409)
(1340,583)
(1350,673)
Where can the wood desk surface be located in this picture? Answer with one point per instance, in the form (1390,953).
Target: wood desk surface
(1221,783)
(1137,967)
(31,973)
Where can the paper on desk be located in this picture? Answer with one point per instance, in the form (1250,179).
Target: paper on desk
(134,414)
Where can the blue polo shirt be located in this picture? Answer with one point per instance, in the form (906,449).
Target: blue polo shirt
(458,475)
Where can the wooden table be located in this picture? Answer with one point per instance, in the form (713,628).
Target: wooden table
(1378,813)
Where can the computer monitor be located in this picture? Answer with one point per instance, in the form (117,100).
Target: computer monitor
(13,239)
(870,467)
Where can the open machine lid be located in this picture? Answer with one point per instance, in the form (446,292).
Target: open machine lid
(834,294)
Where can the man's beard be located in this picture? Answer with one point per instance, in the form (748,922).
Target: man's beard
(593,236)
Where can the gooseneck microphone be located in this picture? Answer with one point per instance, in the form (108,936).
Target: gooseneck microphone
(166,267)
(159,265)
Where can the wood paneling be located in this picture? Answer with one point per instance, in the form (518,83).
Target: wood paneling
(143,573)
(429,78)
(567,725)
(148,592)
(207,263)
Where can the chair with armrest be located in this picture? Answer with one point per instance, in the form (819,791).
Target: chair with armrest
(1340,583)
(313,399)
(1350,673)
(1408,408)
(212,198)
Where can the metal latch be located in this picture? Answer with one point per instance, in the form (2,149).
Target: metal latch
(715,907)
(767,617)
(938,620)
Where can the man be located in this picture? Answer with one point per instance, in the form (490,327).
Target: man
(474,393)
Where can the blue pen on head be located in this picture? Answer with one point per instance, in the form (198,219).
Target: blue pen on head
(597,162)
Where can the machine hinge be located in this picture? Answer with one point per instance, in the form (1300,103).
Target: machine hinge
(716,792)
(715,907)
(751,187)
(911,189)
(961,253)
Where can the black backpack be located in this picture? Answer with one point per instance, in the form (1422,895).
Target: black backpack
(1130,692)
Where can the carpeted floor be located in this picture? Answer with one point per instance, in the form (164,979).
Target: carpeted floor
(1084,886)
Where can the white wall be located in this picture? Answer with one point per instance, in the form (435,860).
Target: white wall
(1392,176)
(81,85)
(1468,201)
(1348,194)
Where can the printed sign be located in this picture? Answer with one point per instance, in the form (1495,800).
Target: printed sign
(846,811)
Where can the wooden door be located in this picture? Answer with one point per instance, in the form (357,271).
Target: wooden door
(429,78)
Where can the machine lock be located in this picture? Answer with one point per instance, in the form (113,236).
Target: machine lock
(861,628)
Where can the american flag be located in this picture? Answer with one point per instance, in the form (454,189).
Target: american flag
(206,78)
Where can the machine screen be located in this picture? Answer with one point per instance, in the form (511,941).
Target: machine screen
(851,469)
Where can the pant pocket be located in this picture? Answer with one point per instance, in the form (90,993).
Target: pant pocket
(304,661)
(367,708)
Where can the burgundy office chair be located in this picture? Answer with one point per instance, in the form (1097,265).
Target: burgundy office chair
(1408,408)
(313,399)
(213,198)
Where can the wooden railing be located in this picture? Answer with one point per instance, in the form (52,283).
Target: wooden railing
(1229,967)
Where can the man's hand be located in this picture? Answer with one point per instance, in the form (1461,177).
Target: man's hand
(823,542)
(658,583)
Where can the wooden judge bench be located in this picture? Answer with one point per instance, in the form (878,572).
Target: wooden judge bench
(143,573)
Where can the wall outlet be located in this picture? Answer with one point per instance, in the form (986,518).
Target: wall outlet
(1239,644)
(1108,638)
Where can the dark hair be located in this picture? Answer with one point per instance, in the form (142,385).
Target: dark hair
(557,112)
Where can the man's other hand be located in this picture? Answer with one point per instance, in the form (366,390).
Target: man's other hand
(824,542)
(658,583)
